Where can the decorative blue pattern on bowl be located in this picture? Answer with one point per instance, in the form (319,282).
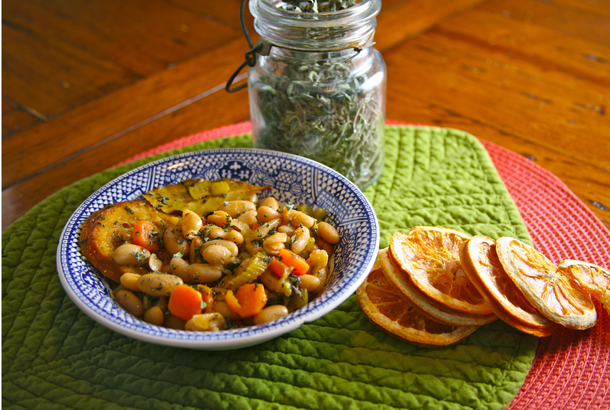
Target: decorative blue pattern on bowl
(293,178)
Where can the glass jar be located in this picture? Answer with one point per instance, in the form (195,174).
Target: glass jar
(320,91)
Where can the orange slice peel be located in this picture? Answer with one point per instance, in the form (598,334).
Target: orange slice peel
(557,296)
(389,310)
(422,302)
(480,260)
(592,278)
(430,258)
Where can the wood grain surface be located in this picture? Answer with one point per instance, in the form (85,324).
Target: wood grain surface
(87,84)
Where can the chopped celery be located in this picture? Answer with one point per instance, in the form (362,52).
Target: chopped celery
(248,271)
(320,214)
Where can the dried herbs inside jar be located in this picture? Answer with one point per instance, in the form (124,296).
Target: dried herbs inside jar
(313,6)
(325,105)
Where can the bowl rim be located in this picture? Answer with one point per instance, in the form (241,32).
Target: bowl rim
(227,339)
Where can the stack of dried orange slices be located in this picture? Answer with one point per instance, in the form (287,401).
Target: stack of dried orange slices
(435,286)
(422,271)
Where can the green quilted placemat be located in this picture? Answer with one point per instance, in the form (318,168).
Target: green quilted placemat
(56,357)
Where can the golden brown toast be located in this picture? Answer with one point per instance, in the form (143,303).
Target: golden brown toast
(110,227)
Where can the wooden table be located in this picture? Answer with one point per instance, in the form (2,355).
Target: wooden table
(87,84)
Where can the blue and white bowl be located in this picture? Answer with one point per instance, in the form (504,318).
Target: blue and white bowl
(293,178)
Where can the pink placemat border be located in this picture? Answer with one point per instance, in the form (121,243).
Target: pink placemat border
(571,369)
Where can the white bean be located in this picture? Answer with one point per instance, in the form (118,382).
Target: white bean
(271,282)
(270,313)
(266,214)
(221,219)
(301,239)
(237,208)
(154,315)
(213,231)
(158,284)
(174,241)
(286,229)
(318,260)
(310,282)
(227,244)
(274,243)
(234,236)
(223,308)
(191,224)
(130,302)
(217,255)
(325,246)
(155,263)
(204,273)
(297,218)
(271,202)
(179,267)
(328,233)
(195,251)
(130,281)
(131,254)
(249,218)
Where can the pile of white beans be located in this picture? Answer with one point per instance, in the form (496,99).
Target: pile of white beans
(205,250)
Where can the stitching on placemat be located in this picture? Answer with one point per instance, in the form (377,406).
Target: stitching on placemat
(44,398)
(115,388)
(53,365)
(396,164)
(508,367)
(393,352)
(390,352)
(313,324)
(398,374)
(55,316)
(304,339)
(267,381)
(26,288)
(13,404)
(50,279)
(452,195)
(343,378)
(476,146)
(102,349)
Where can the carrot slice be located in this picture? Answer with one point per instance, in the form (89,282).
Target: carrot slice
(280,269)
(184,302)
(145,235)
(299,264)
(207,296)
(249,300)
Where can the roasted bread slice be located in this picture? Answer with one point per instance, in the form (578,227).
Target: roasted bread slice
(110,227)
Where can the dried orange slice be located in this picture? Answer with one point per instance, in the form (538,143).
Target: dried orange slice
(594,279)
(391,311)
(557,296)
(430,257)
(426,305)
(480,260)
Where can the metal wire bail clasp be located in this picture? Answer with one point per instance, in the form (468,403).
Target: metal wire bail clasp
(262,48)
